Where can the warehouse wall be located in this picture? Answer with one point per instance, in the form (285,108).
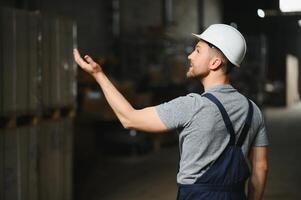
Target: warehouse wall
(212,10)
(137,16)
(93,21)
(7,3)
(185,18)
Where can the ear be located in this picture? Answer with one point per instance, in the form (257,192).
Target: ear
(215,63)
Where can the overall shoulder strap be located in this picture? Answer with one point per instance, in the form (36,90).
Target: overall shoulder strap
(247,125)
(225,116)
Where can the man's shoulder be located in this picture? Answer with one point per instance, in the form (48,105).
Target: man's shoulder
(194,95)
(192,98)
(257,111)
(188,97)
(189,101)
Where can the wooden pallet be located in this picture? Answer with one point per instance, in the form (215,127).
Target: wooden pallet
(14,120)
(58,113)
(18,121)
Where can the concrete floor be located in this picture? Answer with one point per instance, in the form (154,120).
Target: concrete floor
(284,127)
(153,176)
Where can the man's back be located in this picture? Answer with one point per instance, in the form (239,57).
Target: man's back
(203,134)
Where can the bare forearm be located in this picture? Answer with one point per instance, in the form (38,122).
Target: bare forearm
(257,185)
(145,119)
(118,103)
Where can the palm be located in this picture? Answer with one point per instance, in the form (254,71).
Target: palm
(87,63)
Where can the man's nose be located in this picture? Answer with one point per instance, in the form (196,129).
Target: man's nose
(189,56)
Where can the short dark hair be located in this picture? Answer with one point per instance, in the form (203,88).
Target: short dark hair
(228,66)
(210,45)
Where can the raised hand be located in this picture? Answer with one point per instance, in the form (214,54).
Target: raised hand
(87,64)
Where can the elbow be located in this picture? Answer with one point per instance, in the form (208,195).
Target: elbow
(266,168)
(126,119)
(263,168)
(126,124)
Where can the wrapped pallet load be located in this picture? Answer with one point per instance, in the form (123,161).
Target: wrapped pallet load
(50,155)
(56,160)
(21,59)
(34,65)
(58,67)
(67,129)
(1,164)
(67,36)
(50,62)
(19,62)
(8,65)
(1,67)
(19,169)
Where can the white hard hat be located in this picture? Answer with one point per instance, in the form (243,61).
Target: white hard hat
(227,39)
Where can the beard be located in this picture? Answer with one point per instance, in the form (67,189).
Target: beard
(192,74)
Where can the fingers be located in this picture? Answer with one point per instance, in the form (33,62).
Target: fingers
(78,59)
(82,61)
(86,63)
(91,62)
(89,59)
(76,53)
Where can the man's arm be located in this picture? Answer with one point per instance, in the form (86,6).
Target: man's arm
(259,167)
(146,119)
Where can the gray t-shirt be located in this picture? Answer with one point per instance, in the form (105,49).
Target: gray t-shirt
(203,134)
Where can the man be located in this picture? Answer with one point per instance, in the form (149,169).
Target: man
(219,129)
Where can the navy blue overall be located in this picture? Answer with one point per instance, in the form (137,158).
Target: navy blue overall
(226,177)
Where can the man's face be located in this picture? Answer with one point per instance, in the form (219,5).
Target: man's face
(199,61)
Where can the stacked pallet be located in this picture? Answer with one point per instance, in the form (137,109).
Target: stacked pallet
(36,161)
(58,71)
(37,68)
(55,163)
(37,105)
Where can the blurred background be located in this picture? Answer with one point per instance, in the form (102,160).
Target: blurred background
(59,139)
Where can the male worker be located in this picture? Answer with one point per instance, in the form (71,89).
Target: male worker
(219,129)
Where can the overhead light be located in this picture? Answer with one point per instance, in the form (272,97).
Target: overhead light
(299,22)
(290,5)
(260,13)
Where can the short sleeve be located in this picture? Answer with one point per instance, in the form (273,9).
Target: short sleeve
(261,138)
(177,112)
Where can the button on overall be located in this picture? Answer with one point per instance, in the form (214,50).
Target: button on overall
(226,177)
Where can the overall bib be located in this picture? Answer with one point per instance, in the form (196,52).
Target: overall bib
(226,178)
